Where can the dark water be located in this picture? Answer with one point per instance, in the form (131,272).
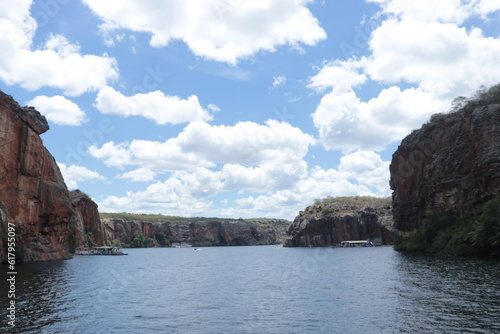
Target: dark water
(260,289)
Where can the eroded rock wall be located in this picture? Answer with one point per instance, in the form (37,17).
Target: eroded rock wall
(451,163)
(205,232)
(33,195)
(320,226)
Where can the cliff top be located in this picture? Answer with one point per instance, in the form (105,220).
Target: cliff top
(331,206)
(152,218)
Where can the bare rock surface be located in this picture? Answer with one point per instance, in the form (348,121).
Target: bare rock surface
(451,163)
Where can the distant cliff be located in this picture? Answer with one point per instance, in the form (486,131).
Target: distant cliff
(451,163)
(201,232)
(333,220)
(33,195)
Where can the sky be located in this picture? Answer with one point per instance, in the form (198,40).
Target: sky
(232,108)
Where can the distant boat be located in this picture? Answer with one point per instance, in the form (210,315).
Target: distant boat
(356,243)
(181,245)
(103,250)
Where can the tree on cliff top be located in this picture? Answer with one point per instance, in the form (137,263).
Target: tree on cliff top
(482,97)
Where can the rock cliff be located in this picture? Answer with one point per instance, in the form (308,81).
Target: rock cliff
(212,232)
(33,194)
(451,163)
(332,221)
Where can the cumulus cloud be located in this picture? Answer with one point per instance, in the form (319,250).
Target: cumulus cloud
(113,155)
(202,144)
(346,123)
(269,190)
(245,143)
(339,76)
(221,30)
(420,45)
(156,106)
(447,11)
(441,58)
(59,110)
(177,196)
(59,64)
(139,175)
(74,174)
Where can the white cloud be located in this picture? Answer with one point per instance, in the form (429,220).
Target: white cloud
(213,108)
(113,155)
(447,11)
(139,175)
(175,196)
(74,174)
(59,110)
(155,106)
(246,143)
(346,123)
(59,64)
(339,76)
(222,30)
(203,145)
(278,81)
(444,59)
(421,45)
(273,190)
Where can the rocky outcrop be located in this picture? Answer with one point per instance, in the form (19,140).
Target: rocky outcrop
(451,163)
(213,232)
(33,194)
(88,214)
(336,220)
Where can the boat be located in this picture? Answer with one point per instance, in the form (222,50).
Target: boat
(181,245)
(356,243)
(102,250)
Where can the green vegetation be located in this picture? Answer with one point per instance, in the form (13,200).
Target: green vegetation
(444,233)
(148,217)
(330,204)
(116,243)
(159,218)
(141,241)
(162,240)
(482,97)
(90,240)
(78,193)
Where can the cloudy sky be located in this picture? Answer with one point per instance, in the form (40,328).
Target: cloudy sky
(236,108)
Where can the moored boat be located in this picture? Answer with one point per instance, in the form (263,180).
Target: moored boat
(103,250)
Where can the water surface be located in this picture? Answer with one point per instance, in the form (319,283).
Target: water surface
(258,289)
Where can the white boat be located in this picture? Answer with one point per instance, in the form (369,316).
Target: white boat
(356,243)
(181,245)
(103,250)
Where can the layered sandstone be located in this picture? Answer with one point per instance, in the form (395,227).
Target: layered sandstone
(213,232)
(336,220)
(33,195)
(451,163)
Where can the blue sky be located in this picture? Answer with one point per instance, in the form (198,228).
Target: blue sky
(233,108)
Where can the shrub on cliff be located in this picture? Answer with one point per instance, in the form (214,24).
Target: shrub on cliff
(162,240)
(485,236)
(141,241)
(443,233)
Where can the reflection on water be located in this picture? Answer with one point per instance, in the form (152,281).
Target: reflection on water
(454,295)
(257,290)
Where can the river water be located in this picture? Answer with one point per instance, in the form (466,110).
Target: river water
(258,289)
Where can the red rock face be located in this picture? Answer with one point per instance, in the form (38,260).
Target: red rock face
(33,195)
(88,214)
(451,163)
(313,227)
(210,232)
